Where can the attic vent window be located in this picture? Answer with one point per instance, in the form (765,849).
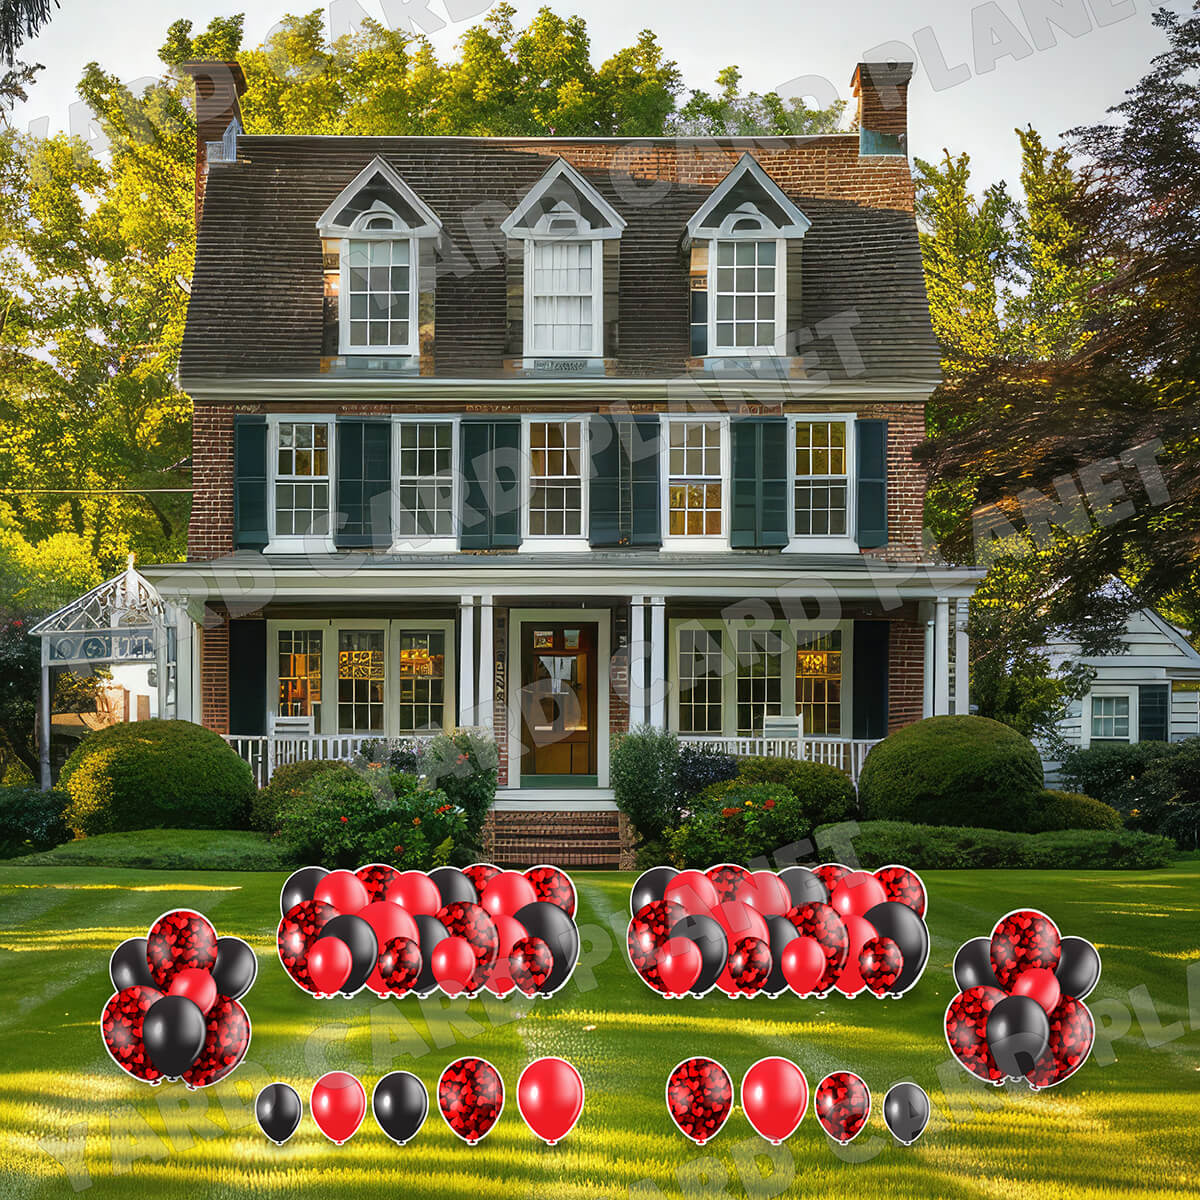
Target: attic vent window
(381,222)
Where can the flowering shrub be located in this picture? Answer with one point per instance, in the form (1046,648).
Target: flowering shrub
(737,822)
(465,766)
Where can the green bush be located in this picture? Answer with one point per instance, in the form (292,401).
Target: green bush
(737,822)
(155,775)
(699,766)
(825,794)
(403,756)
(1168,796)
(1070,810)
(31,820)
(1110,771)
(287,781)
(645,778)
(465,765)
(953,771)
(945,847)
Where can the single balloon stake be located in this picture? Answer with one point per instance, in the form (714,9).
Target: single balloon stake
(550,1098)
(278,1109)
(906,1112)
(400,1104)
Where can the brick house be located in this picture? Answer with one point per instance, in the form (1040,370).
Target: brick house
(559,436)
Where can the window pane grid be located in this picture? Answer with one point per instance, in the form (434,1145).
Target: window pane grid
(821,485)
(1110,718)
(302,478)
(563,297)
(361,676)
(379,293)
(556,479)
(819,681)
(300,674)
(425,480)
(700,670)
(745,294)
(759,679)
(422,680)
(695,491)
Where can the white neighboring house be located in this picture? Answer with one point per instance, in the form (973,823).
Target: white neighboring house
(1148,692)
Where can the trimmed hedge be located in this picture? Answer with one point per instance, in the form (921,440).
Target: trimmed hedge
(953,771)
(824,793)
(942,847)
(169,850)
(1110,771)
(155,774)
(644,769)
(287,782)
(1070,810)
(701,766)
(31,820)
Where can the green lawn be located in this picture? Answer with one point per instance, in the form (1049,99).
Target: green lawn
(1125,1125)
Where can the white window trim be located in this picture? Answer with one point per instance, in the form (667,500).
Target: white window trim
(411,348)
(329,668)
(597,352)
(824,543)
(402,544)
(289,543)
(543,543)
(682,541)
(779,345)
(1131,694)
(788,631)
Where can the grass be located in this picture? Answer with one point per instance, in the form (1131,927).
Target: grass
(168,849)
(1123,1126)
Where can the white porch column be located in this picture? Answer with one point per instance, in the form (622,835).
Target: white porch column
(962,667)
(941,656)
(637,661)
(658,662)
(487,665)
(466,661)
(44,719)
(927,688)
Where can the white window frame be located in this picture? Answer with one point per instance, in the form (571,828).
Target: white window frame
(1131,694)
(824,543)
(698,541)
(765,233)
(399,233)
(293,543)
(541,543)
(402,543)
(582,234)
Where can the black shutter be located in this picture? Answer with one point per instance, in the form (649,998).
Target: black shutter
(624,492)
(872,483)
(870,685)
(248,677)
(250,483)
(760,452)
(364,484)
(1154,712)
(491,468)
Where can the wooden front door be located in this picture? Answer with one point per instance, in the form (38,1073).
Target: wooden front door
(558,703)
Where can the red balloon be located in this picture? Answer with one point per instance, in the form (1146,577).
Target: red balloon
(880,963)
(507,892)
(415,892)
(550,1098)
(966,1031)
(1021,940)
(859,932)
(452,963)
(344,890)
(699,1098)
(299,929)
(749,966)
(509,931)
(842,1105)
(178,940)
(694,890)
(857,893)
(739,921)
(820,921)
(1039,984)
(375,877)
(329,965)
(121,1029)
(678,963)
(338,1105)
(388,921)
(1071,1034)
(775,1097)
(197,985)
(530,964)
(803,964)
(767,894)
(471,1098)
(399,965)
(225,1044)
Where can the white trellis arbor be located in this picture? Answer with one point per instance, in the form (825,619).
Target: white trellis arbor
(123,621)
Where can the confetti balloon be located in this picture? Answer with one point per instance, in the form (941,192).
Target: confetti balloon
(299,929)
(1072,1031)
(880,963)
(227,1038)
(471,922)
(966,1031)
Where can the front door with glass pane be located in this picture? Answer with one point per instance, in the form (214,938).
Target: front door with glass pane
(558,704)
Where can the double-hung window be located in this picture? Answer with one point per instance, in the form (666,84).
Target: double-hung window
(745,295)
(819,681)
(564,299)
(701,670)
(821,481)
(380,297)
(425,481)
(695,483)
(556,479)
(299,674)
(302,479)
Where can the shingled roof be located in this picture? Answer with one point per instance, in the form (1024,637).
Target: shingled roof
(257,292)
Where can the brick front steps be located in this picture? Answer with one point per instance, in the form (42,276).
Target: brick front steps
(596,840)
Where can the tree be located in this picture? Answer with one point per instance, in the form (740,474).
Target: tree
(729,113)
(21,19)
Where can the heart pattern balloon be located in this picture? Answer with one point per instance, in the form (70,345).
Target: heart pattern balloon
(842,1105)
(471,1098)
(472,923)
(1023,939)
(879,964)
(966,1031)
(699,1098)
(821,922)
(300,928)
(530,964)
(121,1028)
(178,940)
(1072,1032)
(227,1038)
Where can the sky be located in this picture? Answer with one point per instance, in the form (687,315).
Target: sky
(983,69)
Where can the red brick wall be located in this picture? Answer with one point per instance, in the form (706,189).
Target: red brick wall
(500,701)
(618,673)
(906,672)
(214,672)
(906,482)
(210,529)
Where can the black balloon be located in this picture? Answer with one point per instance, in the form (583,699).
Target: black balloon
(906,1112)
(714,948)
(173,1032)
(973,965)
(299,887)
(430,931)
(649,886)
(557,930)
(277,1109)
(453,886)
(362,943)
(782,931)
(1079,967)
(908,931)
(803,886)
(400,1103)
(128,966)
(235,968)
(1018,1032)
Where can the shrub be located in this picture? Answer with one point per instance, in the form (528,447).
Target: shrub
(953,771)
(737,822)
(645,779)
(465,765)
(288,781)
(699,766)
(1168,795)
(1070,810)
(402,756)
(155,774)
(945,847)
(169,850)
(1110,771)
(30,820)
(825,794)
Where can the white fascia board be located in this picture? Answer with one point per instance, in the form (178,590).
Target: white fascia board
(798,225)
(560,168)
(327,226)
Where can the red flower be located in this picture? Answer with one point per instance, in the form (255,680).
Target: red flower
(397,849)
(729,812)
(416,820)
(342,819)
(769,803)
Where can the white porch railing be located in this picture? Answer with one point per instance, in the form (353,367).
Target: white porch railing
(265,753)
(847,754)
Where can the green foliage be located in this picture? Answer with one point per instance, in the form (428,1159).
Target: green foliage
(942,847)
(286,783)
(824,793)
(738,822)
(644,770)
(155,774)
(30,820)
(950,771)
(170,850)
(465,765)
(729,113)
(1168,795)
(701,765)
(1110,771)
(20,686)
(402,757)
(1070,810)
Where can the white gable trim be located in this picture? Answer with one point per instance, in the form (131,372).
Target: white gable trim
(431,223)
(560,168)
(699,227)
(1174,636)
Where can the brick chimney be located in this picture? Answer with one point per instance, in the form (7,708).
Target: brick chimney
(217,88)
(881,90)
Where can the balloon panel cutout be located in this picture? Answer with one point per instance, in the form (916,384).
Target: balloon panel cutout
(175,1013)
(765,933)
(398,933)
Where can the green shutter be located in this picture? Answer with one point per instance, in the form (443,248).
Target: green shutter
(872,483)
(870,671)
(364,484)
(624,492)
(248,677)
(491,469)
(760,453)
(250,530)
(1154,712)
